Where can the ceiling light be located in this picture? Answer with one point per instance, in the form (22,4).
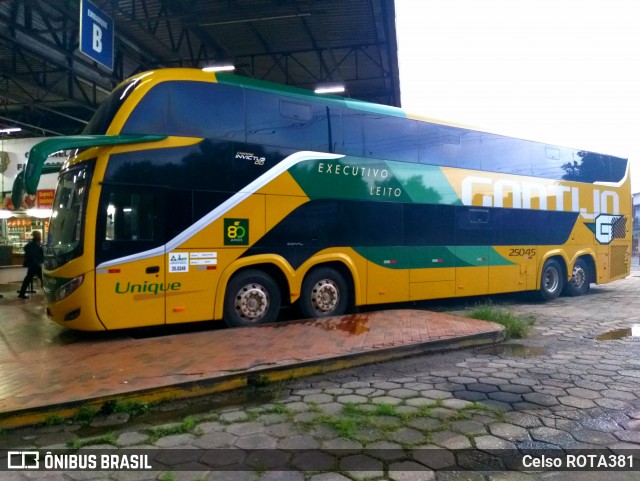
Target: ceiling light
(219,68)
(5,214)
(39,213)
(258,19)
(330,89)
(10,130)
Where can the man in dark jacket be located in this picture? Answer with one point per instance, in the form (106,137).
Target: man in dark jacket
(33,259)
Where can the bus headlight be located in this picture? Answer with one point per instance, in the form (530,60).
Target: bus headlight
(65,289)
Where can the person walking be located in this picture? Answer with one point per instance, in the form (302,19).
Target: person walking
(33,259)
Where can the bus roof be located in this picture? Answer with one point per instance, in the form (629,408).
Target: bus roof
(335,100)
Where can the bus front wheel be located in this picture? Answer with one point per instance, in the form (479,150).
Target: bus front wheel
(324,293)
(252,298)
(580,279)
(552,280)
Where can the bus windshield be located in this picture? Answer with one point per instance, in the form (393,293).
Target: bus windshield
(99,123)
(64,241)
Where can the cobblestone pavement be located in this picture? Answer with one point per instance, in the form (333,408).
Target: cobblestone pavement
(558,388)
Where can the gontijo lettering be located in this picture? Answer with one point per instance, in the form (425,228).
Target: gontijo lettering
(521,195)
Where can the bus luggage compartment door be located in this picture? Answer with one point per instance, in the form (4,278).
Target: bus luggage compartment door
(131,295)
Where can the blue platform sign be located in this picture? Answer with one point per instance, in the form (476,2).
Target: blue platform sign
(96,34)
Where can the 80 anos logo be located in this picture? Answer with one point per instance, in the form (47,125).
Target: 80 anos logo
(236,232)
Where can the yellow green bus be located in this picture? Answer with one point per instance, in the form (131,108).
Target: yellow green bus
(196,196)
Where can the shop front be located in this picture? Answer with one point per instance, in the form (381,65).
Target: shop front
(15,232)
(17,223)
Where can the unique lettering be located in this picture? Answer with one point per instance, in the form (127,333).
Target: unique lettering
(146,288)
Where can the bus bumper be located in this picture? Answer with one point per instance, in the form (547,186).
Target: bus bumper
(77,310)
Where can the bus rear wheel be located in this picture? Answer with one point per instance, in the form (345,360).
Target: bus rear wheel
(552,280)
(324,293)
(252,298)
(580,279)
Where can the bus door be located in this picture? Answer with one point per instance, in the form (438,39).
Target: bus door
(473,238)
(130,258)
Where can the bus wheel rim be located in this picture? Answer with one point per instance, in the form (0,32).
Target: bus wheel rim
(579,277)
(551,280)
(325,295)
(252,302)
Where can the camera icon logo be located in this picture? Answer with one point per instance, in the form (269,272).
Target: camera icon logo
(23,460)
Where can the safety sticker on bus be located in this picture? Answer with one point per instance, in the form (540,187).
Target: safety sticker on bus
(203,255)
(179,262)
(203,262)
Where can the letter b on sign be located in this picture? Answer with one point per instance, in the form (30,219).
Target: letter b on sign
(96,34)
(97,38)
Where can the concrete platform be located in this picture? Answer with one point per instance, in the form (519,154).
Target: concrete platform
(46,370)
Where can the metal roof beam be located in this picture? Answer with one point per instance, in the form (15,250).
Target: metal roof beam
(30,126)
(263,42)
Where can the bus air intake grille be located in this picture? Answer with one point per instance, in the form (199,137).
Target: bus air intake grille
(620,228)
(618,261)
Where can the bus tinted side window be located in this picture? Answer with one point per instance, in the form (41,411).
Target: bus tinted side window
(576,165)
(391,138)
(128,222)
(504,154)
(429,147)
(618,169)
(130,217)
(352,133)
(548,160)
(286,122)
(206,165)
(470,149)
(190,109)
(458,148)
(135,218)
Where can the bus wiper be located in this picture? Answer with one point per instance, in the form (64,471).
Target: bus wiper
(39,153)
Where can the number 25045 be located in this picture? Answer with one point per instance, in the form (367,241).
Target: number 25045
(522,252)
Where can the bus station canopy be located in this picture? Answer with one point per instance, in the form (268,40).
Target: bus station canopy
(50,88)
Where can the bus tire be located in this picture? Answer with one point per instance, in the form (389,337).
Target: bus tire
(252,298)
(551,280)
(579,283)
(324,293)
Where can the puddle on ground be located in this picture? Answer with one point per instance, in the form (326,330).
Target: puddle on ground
(633,331)
(355,324)
(515,350)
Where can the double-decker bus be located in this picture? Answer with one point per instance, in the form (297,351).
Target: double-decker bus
(198,196)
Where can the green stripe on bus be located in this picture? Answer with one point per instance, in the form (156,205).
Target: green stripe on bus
(356,178)
(432,257)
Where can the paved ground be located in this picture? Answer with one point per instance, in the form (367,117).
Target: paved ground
(48,370)
(558,388)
